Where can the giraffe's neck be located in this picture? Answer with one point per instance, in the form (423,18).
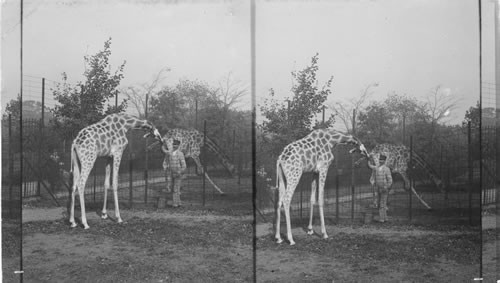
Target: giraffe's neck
(339,138)
(133,123)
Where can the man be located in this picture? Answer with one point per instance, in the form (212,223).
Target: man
(383,182)
(174,165)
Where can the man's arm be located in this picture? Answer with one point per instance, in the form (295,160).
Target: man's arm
(388,177)
(182,161)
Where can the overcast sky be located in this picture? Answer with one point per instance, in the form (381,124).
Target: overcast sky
(406,46)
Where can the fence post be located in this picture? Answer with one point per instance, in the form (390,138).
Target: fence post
(410,169)
(41,126)
(470,165)
(130,172)
(95,182)
(11,167)
(337,183)
(146,168)
(353,178)
(204,163)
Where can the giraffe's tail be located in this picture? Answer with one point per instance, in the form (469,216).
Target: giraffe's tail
(280,183)
(75,165)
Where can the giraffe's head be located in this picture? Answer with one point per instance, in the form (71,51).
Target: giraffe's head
(151,131)
(358,145)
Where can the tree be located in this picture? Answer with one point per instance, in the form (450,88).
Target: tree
(168,108)
(376,124)
(345,111)
(294,119)
(136,95)
(85,103)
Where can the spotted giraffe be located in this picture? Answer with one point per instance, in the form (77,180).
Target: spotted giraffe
(313,153)
(398,158)
(191,143)
(106,138)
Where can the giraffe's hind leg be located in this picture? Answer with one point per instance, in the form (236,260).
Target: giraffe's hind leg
(104,212)
(408,184)
(277,236)
(116,166)
(72,207)
(321,200)
(81,194)
(310,230)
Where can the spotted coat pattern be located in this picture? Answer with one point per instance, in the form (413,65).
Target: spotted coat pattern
(313,153)
(106,138)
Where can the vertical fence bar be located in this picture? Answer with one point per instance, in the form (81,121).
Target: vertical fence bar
(95,184)
(41,126)
(410,175)
(131,173)
(11,168)
(146,168)
(204,163)
(470,169)
(337,183)
(146,165)
(353,178)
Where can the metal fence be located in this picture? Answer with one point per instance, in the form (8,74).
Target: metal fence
(46,163)
(348,193)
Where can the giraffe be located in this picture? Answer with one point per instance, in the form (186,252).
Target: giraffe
(191,143)
(313,153)
(106,138)
(398,158)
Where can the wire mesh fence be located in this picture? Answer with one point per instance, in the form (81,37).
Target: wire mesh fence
(46,162)
(349,194)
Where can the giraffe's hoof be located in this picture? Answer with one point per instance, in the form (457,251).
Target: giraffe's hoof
(292,243)
(310,232)
(86,227)
(325,236)
(279,241)
(104,216)
(119,220)
(73,225)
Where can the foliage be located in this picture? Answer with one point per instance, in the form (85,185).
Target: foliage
(85,103)
(190,103)
(376,124)
(137,95)
(345,110)
(294,119)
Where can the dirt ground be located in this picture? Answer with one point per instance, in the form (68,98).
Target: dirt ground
(172,245)
(491,245)
(370,253)
(185,245)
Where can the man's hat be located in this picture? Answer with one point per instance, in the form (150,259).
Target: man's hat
(176,142)
(382,157)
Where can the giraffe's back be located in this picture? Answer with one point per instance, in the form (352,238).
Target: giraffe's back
(308,153)
(101,139)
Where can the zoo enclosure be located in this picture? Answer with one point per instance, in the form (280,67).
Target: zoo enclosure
(46,164)
(348,192)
